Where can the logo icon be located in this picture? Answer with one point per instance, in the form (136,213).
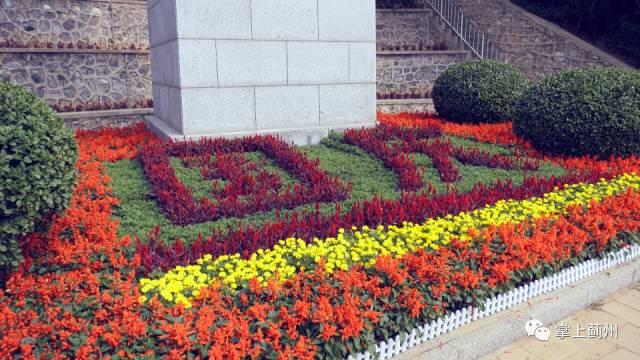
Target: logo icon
(535,328)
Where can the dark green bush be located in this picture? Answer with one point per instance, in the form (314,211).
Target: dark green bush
(37,168)
(478,91)
(590,111)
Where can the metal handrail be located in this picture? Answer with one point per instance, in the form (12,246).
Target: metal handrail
(467,30)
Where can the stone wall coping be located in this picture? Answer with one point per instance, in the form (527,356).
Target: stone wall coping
(404,101)
(134,2)
(404,10)
(105,113)
(571,37)
(70,51)
(424,52)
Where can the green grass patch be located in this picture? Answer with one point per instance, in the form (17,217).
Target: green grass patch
(201,187)
(138,211)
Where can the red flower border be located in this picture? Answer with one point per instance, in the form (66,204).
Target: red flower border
(426,139)
(180,206)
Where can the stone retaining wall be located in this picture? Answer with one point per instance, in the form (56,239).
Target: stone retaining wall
(408,27)
(407,72)
(72,78)
(105,118)
(534,45)
(110,23)
(77,76)
(406,106)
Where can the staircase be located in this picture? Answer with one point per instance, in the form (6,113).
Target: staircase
(534,45)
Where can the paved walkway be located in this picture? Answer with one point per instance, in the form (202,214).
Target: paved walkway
(589,334)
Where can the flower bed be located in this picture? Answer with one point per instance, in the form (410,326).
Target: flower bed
(222,159)
(415,140)
(78,293)
(365,246)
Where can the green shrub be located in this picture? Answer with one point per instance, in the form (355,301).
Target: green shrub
(590,111)
(478,91)
(37,168)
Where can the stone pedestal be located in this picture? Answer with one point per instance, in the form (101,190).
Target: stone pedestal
(236,67)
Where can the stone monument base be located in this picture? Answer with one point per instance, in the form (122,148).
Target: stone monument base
(297,136)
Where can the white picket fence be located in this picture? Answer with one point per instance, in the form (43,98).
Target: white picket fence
(428,331)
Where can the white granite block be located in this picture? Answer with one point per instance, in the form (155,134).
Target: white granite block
(300,137)
(162,22)
(318,62)
(362,62)
(152,3)
(287,107)
(164,64)
(198,63)
(175,113)
(160,101)
(285,19)
(247,63)
(347,104)
(218,110)
(168,105)
(214,19)
(347,20)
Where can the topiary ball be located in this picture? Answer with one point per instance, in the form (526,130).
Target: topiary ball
(589,111)
(479,92)
(37,168)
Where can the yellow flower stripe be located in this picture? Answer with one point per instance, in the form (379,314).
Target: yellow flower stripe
(363,246)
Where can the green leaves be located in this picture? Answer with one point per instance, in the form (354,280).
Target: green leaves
(37,168)
(479,91)
(590,111)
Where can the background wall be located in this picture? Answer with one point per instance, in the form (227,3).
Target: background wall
(108,73)
(412,71)
(111,23)
(65,78)
(404,27)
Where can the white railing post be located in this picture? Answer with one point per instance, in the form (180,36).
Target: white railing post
(475,39)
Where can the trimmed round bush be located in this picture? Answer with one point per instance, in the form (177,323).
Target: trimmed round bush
(37,168)
(589,111)
(479,92)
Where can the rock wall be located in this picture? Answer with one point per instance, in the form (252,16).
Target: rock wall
(407,27)
(532,44)
(72,78)
(414,72)
(110,23)
(77,76)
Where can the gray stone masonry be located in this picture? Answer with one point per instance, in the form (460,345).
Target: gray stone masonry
(535,46)
(406,27)
(76,78)
(110,23)
(104,118)
(414,72)
(406,105)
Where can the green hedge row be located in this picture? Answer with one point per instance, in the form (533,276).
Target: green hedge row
(589,111)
